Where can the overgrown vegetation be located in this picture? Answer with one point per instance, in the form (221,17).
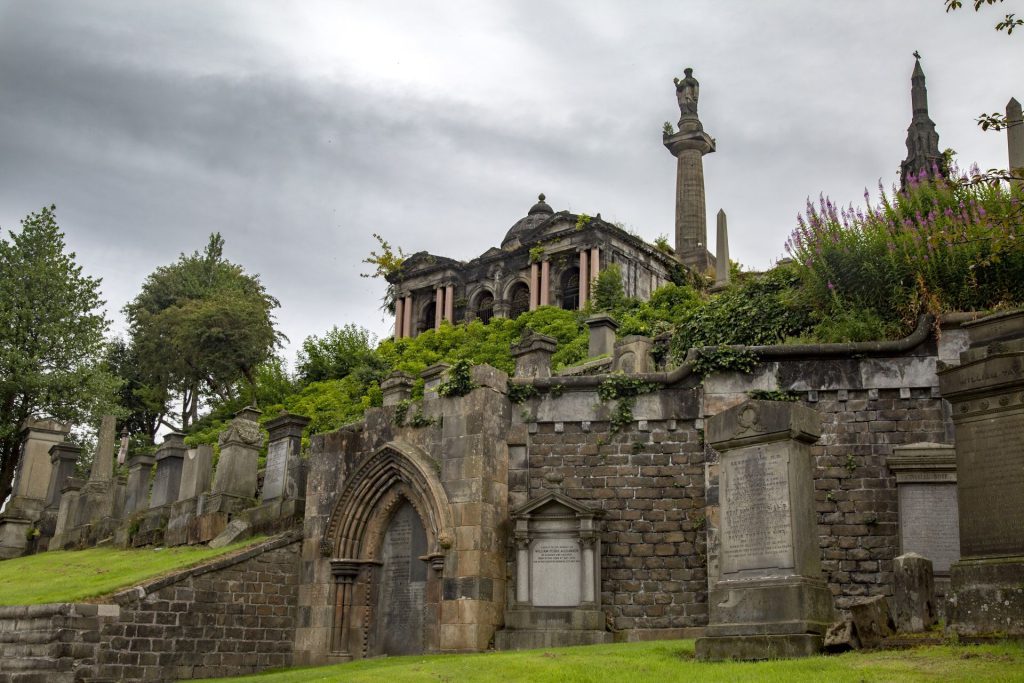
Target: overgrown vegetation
(624,390)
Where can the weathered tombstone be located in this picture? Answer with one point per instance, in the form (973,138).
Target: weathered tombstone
(432,378)
(633,355)
(403,584)
(66,514)
(168,470)
(283,475)
(98,492)
(926,489)
(140,469)
(872,620)
(197,468)
(601,341)
(63,459)
(31,483)
(236,530)
(914,593)
(234,483)
(769,599)
(533,355)
(557,598)
(986,392)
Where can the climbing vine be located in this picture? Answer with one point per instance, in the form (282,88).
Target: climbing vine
(460,380)
(724,358)
(624,390)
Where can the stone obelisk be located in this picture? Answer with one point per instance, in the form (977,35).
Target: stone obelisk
(688,146)
(1015,139)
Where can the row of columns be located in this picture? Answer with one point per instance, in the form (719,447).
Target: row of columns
(444,309)
(590,266)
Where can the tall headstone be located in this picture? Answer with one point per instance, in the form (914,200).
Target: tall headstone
(986,392)
(283,477)
(196,471)
(167,481)
(689,145)
(235,478)
(69,503)
(63,459)
(722,252)
(1015,140)
(31,483)
(140,469)
(98,491)
(533,355)
(768,599)
(923,153)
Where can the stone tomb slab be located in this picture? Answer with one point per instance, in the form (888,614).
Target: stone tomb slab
(403,583)
(555,564)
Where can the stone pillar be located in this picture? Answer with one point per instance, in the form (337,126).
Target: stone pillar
(985,391)
(63,458)
(239,452)
(633,355)
(602,335)
(33,475)
(533,356)
(689,146)
(534,286)
(396,388)
(584,279)
(595,267)
(283,477)
(399,305)
(722,252)
(168,470)
(407,330)
(438,307)
(768,598)
(545,282)
(98,491)
(140,468)
(1015,139)
(432,378)
(69,495)
(449,303)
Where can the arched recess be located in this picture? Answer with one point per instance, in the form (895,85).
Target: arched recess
(569,289)
(381,486)
(518,297)
(483,306)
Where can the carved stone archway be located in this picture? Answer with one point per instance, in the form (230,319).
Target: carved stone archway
(394,478)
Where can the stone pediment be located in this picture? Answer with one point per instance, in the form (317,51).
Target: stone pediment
(554,504)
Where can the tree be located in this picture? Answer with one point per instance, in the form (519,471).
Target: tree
(1008,23)
(145,406)
(51,336)
(336,354)
(201,326)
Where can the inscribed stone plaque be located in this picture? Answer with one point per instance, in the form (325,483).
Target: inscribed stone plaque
(928,523)
(756,522)
(990,472)
(556,579)
(277,466)
(403,584)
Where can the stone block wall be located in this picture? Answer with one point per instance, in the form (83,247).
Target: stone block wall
(54,643)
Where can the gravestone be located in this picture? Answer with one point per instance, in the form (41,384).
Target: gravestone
(986,392)
(557,597)
(913,593)
(140,469)
(283,474)
(196,470)
(168,470)
(69,494)
(403,583)
(234,483)
(63,458)
(769,599)
(928,517)
(98,492)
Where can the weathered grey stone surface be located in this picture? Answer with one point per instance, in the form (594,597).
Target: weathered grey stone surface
(722,251)
(1015,138)
(196,471)
(137,490)
(236,530)
(633,355)
(873,620)
(986,392)
(63,458)
(841,637)
(396,388)
(533,355)
(768,598)
(167,481)
(602,335)
(239,454)
(914,593)
(283,474)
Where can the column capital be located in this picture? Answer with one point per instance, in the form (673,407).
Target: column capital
(698,140)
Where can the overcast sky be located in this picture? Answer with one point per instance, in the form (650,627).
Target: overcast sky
(298,129)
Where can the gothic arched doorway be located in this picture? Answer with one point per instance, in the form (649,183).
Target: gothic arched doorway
(402,588)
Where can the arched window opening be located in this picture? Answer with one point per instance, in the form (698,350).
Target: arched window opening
(485,307)
(520,300)
(571,289)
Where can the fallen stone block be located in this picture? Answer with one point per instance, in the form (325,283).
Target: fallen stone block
(841,637)
(873,621)
(236,530)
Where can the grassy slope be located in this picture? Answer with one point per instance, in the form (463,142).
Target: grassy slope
(673,661)
(68,576)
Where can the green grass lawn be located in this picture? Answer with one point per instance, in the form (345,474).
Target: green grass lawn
(77,575)
(672,660)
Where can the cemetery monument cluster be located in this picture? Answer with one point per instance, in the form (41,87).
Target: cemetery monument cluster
(512,514)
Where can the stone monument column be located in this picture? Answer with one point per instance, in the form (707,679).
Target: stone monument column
(407,330)
(449,303)
(986,392)
(584,279)
(534,287)
(140,468)
(234,483)
(768,598)
(283,477)
(1015,139)
(688,146)
(98,491)
(399,305)
(722,252)
(438,307)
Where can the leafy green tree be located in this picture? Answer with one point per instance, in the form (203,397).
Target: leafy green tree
(144,406)
(336,354)
(51,336)
(201,326)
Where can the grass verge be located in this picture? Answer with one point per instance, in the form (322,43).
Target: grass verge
(671,661)
(77,575)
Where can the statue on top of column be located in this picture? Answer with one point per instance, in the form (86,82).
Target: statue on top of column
(687,92)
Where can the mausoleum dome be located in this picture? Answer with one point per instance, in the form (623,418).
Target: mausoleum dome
(538,213)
